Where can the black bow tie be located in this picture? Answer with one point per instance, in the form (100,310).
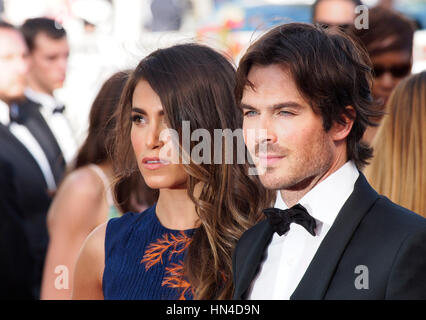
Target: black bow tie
(59,109)
(280,220)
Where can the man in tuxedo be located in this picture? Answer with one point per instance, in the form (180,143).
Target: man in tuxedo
(42,113)
(330,235)
(16,259)
(32,176)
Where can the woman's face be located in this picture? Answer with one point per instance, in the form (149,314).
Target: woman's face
(149,138)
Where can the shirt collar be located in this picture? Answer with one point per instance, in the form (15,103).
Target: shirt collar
(4,113)
(46,100)
(324,201)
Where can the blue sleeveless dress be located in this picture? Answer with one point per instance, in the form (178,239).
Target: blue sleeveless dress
(144,260)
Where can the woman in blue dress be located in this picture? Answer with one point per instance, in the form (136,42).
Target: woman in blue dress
(167,131)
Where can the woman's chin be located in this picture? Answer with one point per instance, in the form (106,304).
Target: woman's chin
(164,183)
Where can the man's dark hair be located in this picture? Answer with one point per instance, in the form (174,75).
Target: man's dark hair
(330,70)
(7,25)
(32,27)
(386,24)
(315,5)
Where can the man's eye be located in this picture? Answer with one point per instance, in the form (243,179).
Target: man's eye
(250,113)
(285,113)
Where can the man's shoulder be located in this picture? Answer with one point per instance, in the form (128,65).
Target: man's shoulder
(385,212)
(396,217)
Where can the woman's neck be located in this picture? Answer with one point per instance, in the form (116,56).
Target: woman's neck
(176,210)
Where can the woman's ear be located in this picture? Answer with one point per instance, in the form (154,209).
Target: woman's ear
(340,130)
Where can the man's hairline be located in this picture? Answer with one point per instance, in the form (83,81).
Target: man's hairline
(285,68)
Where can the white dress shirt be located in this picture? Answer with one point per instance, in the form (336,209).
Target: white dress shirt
(288,256)
(22,133)
(57,122)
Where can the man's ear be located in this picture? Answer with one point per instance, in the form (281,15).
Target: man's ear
(339,131)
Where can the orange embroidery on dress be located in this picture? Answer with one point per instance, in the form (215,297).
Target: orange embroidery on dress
(176,280)
(154,254)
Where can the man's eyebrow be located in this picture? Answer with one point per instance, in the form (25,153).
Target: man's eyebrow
(289,104)
(142,111)
(246,106)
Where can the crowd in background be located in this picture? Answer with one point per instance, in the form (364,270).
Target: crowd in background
(56,183)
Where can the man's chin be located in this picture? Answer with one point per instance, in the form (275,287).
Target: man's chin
(271,182)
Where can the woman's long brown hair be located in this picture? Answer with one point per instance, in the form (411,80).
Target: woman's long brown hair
(398,168)
(195,84)
(97,146)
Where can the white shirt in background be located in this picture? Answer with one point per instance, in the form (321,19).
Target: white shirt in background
(57,122)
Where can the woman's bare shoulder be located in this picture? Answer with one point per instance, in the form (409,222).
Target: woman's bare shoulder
(90,266)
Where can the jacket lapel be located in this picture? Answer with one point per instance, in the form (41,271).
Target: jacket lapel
(252,253)
(9,141)
(30,116)
(317,277)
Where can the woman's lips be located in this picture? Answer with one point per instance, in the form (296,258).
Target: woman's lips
(154,163)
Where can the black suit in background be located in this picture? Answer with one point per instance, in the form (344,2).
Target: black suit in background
(33,198)
(28,114)
(369,231)
(16,261)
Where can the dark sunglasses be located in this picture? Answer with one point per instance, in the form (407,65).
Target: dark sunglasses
(398,71)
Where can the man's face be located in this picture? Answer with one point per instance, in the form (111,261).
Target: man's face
(389,68)
(299,151)
(13,65)
(335,12)
(48,63)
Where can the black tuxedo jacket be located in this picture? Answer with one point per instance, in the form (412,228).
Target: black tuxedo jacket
(28,114)
(32,196)
(386,240)
(16,260)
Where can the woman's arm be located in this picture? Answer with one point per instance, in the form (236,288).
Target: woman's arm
(78,208)
(90,267)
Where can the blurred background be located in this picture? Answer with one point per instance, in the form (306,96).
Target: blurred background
(109,35)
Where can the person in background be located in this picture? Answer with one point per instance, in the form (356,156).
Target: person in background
(335,13)
(181,247)
(397,169)
(167,15)
(389,42)
(20,149)
(16,259)
(84,199)
(46,116)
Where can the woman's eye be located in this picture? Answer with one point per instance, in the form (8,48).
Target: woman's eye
(138,119)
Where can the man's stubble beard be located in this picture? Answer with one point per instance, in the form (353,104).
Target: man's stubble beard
(303,172)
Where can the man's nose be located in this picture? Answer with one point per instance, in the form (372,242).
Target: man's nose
(268,133)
